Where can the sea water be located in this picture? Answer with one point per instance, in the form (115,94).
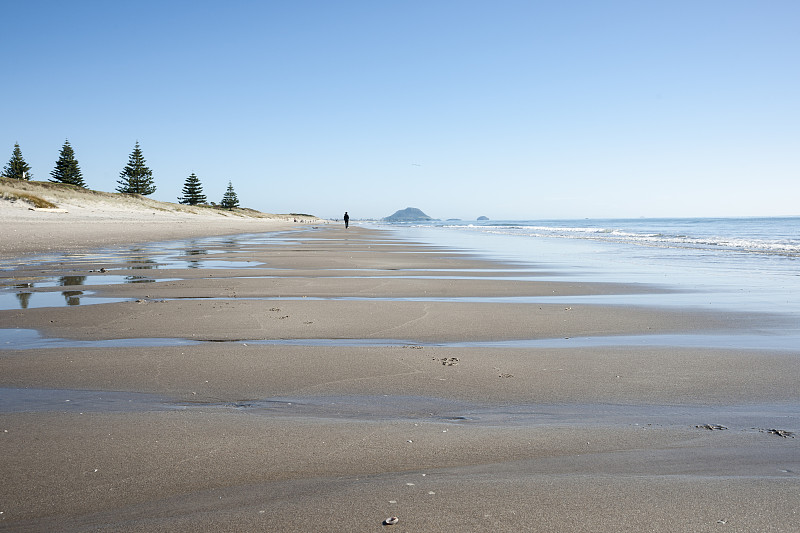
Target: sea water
(738,264)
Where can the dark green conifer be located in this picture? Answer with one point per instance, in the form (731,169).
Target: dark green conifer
(67,169)
(136,178)
(192,191)
(229,199)
(17,168)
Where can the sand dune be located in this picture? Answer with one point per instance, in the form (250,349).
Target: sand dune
(75,219)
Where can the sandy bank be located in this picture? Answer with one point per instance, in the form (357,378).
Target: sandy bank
(81,219)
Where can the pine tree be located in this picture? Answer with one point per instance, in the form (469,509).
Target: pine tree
(17,168)
(136,178)
(67,169)
(192,191)
(229,199)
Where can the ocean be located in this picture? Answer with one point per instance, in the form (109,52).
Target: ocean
(738,264)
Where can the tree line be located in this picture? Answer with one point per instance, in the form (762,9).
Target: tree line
(135,178)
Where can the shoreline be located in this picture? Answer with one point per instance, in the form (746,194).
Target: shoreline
(256,436)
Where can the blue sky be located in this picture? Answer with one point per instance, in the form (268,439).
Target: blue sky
(508,109)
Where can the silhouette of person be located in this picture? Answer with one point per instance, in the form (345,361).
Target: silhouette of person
(346,220)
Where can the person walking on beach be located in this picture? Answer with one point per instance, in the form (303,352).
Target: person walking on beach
(346,220)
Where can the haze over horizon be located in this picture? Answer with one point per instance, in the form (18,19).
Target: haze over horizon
(512,110)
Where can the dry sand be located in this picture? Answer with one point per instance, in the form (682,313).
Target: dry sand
(81,219)
(365,409)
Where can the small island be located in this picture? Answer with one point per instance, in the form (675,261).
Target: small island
(409,214)
(483,218)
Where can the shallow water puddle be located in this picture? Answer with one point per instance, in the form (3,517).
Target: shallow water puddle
(24,292)
(34,300)
(42,282)
(190,253)
(13,400)
(24,299)
(28,339)
(750,417)
(16,292)
(462,412)
(169,262)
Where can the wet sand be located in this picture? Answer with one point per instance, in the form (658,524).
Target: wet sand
(232,434)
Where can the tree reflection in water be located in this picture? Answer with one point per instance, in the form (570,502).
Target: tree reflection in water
(72,297)
(24,297)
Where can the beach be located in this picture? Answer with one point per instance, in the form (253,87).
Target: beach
(273,375)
